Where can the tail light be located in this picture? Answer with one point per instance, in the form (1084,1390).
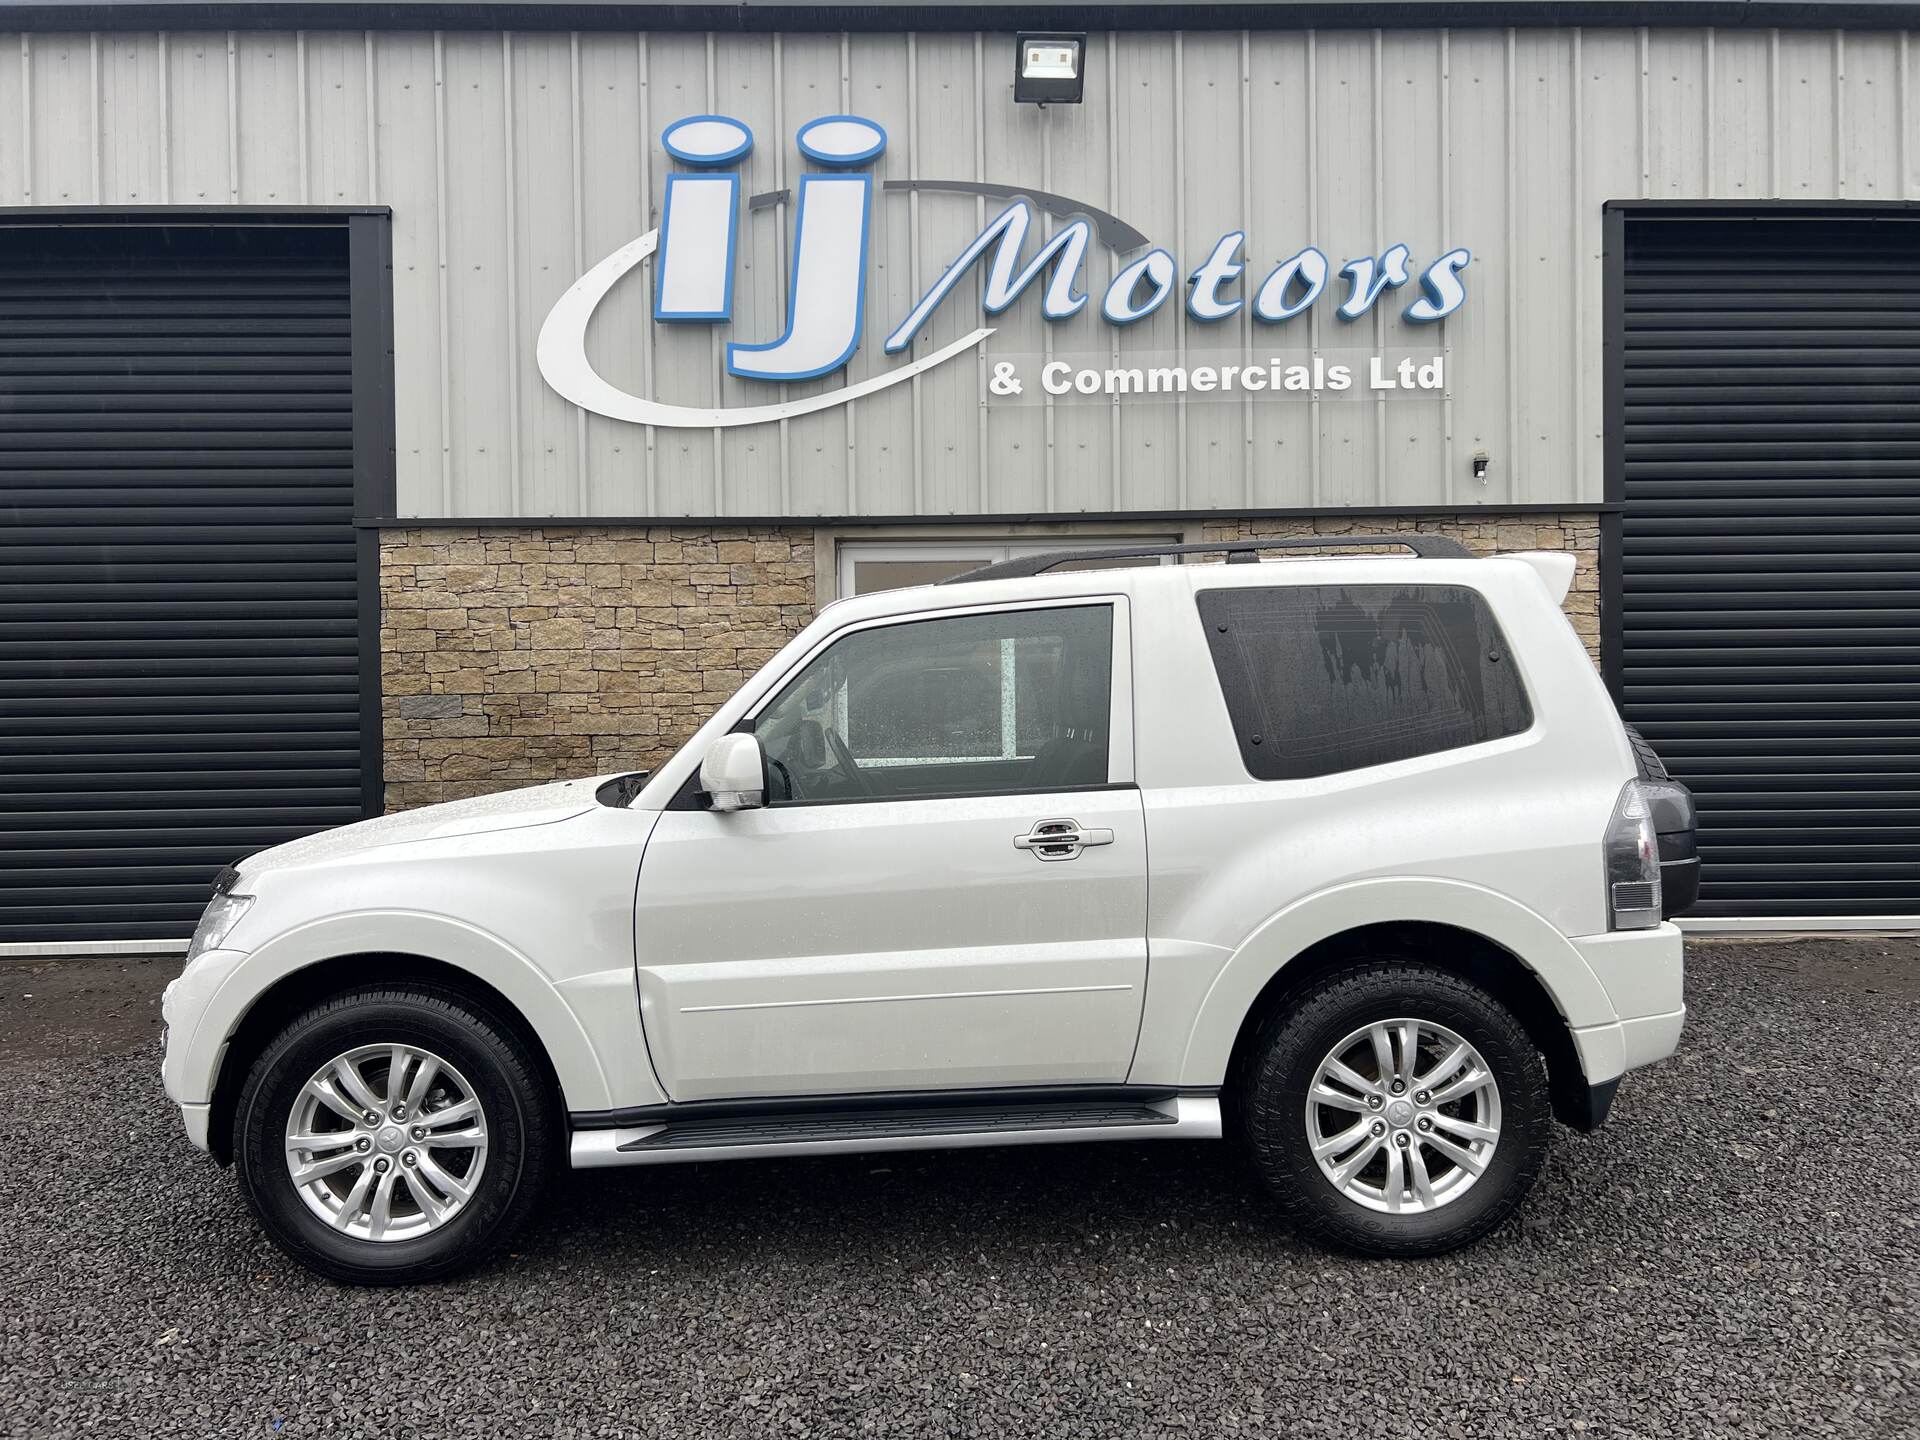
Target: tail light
(1633,862)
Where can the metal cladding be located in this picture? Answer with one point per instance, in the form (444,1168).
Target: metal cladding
(516,163)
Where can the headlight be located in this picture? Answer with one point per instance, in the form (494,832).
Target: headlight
(223,912)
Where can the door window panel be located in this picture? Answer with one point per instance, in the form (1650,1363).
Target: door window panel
(972,704)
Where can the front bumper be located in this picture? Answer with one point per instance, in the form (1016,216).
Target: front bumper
(189,1061)
(197,1119)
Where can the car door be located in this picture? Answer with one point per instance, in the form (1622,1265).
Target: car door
(947,887)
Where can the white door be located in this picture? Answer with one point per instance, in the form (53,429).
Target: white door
(947,889)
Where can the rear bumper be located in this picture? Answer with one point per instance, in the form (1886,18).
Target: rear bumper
(1644,975)
(1620,1047)
(1679,882)
(1673,821)
(1608,1051)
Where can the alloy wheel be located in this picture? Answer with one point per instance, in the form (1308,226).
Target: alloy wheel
(386,1142)
(1403,1116)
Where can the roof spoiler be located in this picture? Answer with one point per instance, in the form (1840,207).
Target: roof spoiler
(1238,552)
(1554,567)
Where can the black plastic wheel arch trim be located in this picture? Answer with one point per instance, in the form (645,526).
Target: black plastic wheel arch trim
(1587,1110)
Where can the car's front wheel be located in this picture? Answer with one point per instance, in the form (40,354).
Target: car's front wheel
(1396,1108)
(392,1135)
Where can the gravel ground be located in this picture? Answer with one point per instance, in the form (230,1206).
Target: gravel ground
(1737,1253)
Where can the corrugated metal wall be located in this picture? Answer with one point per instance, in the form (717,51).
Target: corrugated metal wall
(513,162)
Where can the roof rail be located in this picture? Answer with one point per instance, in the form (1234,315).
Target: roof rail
(1238,552)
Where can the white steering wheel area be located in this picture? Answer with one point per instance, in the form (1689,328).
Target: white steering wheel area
(562,355)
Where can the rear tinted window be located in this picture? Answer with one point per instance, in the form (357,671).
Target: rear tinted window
(1324,678)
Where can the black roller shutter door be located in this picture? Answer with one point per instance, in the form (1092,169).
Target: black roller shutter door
(180,644)
(1769,549)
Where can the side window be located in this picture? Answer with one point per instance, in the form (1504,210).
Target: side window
(1018,700)
(1320,679)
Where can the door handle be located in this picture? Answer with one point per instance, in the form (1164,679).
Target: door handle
(1060,839)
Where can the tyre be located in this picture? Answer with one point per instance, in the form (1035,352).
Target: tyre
(1395,1109)
(392,1135)
(1651,766)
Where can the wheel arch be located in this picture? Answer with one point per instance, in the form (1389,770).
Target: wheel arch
(1513,952)
(1458,951)
(267,986)
(300,989)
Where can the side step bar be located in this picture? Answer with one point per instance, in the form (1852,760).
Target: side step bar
(854,1130)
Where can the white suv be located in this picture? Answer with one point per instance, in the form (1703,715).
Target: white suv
(1349,858)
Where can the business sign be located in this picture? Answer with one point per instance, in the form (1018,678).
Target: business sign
(695,246)
(1042,379)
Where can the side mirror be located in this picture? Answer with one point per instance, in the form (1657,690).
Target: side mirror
(734,774)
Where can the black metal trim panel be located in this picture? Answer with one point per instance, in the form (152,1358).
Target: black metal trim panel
(375,465)
(1802,210)
(277,217)
(1762,617)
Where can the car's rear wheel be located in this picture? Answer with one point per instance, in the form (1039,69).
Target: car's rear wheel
(394,1135)
(1396,1108)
